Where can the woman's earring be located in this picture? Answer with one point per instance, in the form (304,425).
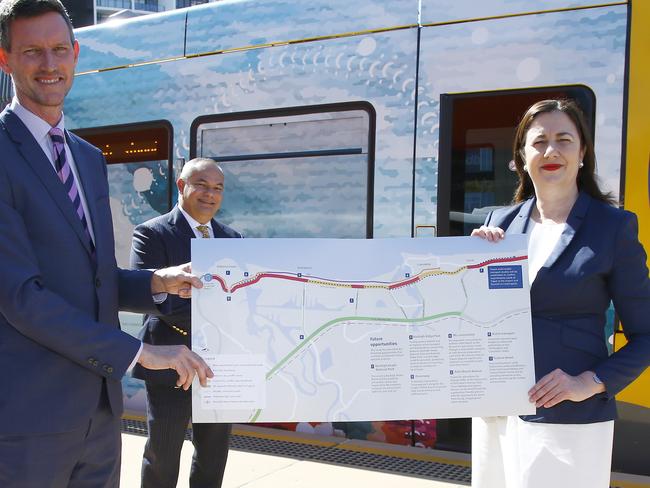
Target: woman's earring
(526,167)
(581,164)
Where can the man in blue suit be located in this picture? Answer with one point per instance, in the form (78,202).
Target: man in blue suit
(165,241)
(61,349)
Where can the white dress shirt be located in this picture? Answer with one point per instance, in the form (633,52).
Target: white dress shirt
(195,223)
(542,241)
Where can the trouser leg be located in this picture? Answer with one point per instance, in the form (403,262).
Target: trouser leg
(86,457)
(210,454)
(488,470)
(99,464)
(168,414)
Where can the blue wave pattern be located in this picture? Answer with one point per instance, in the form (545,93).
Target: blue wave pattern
(138,192)
(267,21)
(453,10)
(117,44)
(379,68)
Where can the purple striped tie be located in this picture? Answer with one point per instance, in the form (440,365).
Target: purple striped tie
(67,178)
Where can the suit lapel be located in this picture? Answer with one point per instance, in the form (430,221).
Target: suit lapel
(216,229)
(40,164)
(179,223)
(182,233)
(519,224)
(574,221)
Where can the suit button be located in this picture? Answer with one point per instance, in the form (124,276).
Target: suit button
(107,368)
(95,363)
(92,361)
(98,282)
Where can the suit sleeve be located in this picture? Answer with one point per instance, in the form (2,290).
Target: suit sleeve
(135,291)
(629,287)
(42,315)
(148,251)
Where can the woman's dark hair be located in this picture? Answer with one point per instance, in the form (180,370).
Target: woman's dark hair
(586,179)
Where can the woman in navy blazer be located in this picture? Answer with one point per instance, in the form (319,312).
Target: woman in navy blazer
(583,253)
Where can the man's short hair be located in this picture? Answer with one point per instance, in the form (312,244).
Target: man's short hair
(197,164)
(11,10)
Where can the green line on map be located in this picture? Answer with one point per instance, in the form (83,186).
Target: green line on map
(344,319)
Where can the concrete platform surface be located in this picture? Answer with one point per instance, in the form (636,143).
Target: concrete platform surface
(252,470)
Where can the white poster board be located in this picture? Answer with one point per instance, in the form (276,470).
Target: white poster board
(348,330)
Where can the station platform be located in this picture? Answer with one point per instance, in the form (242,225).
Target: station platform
(269,458)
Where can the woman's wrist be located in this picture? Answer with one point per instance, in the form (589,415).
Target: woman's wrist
(593,382)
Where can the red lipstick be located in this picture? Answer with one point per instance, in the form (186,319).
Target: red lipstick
(551,167)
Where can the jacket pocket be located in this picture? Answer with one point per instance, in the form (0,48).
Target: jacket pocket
(585,335)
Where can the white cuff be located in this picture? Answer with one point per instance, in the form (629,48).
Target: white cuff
(158,298)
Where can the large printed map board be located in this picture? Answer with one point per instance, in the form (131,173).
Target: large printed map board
(344,330)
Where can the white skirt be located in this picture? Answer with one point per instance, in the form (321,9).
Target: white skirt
(510,453)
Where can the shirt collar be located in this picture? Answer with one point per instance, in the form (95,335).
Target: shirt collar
(193,222)
(37,126)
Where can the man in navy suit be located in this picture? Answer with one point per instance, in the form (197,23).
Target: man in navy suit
(62,352)
(165,241)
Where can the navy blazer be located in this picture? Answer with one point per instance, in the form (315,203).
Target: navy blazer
(59,330)
(598,259)
(159,242)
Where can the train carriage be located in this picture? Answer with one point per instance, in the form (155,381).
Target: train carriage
(374,119)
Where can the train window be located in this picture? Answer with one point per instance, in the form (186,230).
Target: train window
(294,172)
(476,133)
(139,175)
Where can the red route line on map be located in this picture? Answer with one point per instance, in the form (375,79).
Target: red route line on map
(496,260)
(398,284)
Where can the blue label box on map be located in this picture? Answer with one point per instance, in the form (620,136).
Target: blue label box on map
(504,277)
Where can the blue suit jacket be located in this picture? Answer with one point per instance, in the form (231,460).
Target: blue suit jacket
(159,242)
(597,259)
(59,330)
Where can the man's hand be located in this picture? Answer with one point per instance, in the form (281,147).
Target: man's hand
(177,280)
(179,358)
